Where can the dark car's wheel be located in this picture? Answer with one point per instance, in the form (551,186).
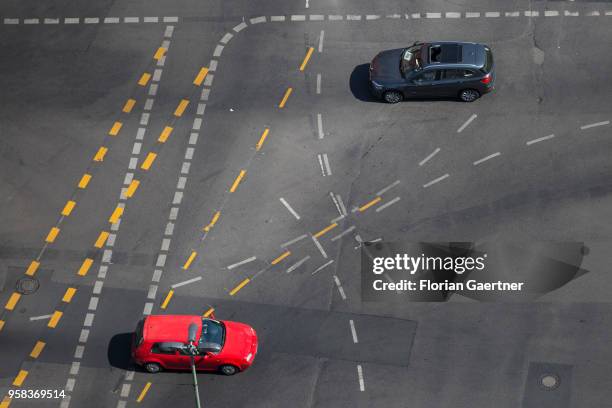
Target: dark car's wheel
(469,95)
(228,369)
(152,368)
(392,97)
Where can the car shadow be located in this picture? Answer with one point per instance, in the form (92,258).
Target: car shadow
(359,85)
(118,353)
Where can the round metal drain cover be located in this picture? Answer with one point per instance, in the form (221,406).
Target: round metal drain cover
(549,381)
(27,286)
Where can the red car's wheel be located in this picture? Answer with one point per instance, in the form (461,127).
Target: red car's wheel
(228,369)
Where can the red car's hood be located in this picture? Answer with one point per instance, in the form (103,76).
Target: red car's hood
(240,340)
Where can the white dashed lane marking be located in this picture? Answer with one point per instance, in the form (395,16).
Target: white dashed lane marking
(297,264)
(321,37)
(467,122)
(325,265)
(592,125)
(339,286)
(187,282)
(387,204)
(237,264)
(353,331)
(293,241)
(343,233)
(320,126)
(484,159)
(289,208)
(426,159)
(360,377)
(434,181)
(539,139)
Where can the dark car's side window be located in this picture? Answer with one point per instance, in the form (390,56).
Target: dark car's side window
(428,76)
(450,74)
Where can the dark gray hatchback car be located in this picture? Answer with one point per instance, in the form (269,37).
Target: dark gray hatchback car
(433,70)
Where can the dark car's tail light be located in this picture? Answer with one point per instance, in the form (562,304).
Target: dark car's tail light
(486,79)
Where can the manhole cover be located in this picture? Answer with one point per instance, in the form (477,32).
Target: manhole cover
(549,381)
(26,286)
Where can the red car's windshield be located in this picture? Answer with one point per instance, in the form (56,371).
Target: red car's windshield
(213,331)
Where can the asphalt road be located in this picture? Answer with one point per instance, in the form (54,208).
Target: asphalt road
(286,212)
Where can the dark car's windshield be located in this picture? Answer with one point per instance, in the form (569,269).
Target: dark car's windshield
(213,331)
(411,59)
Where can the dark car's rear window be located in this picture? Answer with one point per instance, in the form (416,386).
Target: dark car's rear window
(488,65)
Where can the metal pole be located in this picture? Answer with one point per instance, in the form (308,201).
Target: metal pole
(195,382)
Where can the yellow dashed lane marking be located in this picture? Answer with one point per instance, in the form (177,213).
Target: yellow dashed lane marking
(165,134)
(281,257)
(69,295)
(146,164)
(214,220)
(32,268)
(240,286)
(84,180)
(144,79)
(100,154)
(325,230)
(55,318)
(20,378)
(12,301)
(237,181)
(190,260)
(101,239)
(306,58)
(129,105)
(167,299)
(144,391)
(116,215)
(284,101)
(200,77)
(38,348)
(114,131)
(159,53)
(262,139)
(6,402)
(52,234)
(85,266)
(1,324)
(368,205)
(132,188)
(181,107)
(68,208)
(208,312)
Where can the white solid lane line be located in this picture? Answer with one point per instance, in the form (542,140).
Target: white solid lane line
(237,264)
(484,159)
(340,289)
(592,125)
(297,264)
(426,159)
(291,210)
(353,331)
(387,204)
(539,139)
(320,268)
(467,122)
(434,181)
(360,375)
(187,282)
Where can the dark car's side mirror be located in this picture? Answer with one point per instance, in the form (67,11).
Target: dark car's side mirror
(209,348)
